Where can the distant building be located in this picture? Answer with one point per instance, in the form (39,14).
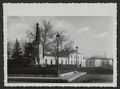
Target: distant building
(83,64)
(98,62)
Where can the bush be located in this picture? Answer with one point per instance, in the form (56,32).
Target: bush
(22,62)
(33,70)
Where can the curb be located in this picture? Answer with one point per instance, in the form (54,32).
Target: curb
(61,75)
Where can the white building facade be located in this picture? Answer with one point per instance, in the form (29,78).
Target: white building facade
(73,58)
(97,62)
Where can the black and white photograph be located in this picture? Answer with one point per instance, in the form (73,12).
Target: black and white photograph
(60,44)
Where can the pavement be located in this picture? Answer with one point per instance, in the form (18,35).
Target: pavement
(67,76)
(71,77)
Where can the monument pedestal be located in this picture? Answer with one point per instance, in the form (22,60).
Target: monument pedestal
(38,54)
(38,49)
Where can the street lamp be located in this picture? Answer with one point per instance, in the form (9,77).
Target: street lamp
(57,38)
(77,56)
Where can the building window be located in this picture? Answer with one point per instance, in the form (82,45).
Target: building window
(46,61)
(61,61)
(51,61)
(80,65)
(74,56)
(90,63)
(66,62)
(75,62)
(103,63)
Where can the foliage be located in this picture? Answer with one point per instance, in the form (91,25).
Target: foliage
(48,38)
(17,54)
(9,48)
(33,70)
(28,49)
(23,63)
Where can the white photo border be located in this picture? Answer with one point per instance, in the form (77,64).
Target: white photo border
(59,9)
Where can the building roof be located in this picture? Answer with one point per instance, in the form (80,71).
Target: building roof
(75,51)
(63,53)
(99,58)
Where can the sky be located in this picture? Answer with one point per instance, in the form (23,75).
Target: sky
(92,34)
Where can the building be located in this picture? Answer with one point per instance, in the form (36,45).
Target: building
(98,62)
(65,58)
(90,62)
(83,64)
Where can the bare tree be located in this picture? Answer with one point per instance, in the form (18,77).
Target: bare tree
(48,38)
(31,34)
(69,46)
(60,42)
(47,35)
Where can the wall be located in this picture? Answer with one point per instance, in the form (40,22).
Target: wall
(105,63)
(90,63)
(73,57)
(97,62)
(70,60)
(83,63)
(50,60)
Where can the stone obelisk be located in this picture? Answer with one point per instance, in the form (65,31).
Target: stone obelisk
(38,47)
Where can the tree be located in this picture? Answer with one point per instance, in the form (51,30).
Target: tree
(17,54)
(28,48)
(48,38)
(69,46)
(9,48)
(47,35)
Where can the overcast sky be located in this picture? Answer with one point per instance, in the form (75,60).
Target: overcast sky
(93,35)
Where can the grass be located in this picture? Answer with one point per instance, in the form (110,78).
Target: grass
(89,70)
(94,78)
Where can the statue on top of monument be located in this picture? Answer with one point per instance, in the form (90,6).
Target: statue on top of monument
(38,33)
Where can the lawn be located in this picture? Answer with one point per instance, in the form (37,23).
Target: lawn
(94,78)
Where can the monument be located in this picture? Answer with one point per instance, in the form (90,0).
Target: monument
(38,50)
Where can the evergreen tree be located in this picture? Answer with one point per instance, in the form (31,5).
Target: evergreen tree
(28,48)
(17,54)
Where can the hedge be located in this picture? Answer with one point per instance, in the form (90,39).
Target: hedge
(33,70)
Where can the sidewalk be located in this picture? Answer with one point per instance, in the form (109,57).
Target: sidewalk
(73,76)
(68,77)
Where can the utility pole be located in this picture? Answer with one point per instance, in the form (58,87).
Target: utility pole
(57,38)
(77,57)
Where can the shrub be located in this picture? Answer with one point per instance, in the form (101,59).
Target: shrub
(33,70)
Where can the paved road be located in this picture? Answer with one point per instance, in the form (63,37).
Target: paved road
(32,78)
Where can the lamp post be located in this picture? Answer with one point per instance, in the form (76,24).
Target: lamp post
(77,56)
(57,38)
